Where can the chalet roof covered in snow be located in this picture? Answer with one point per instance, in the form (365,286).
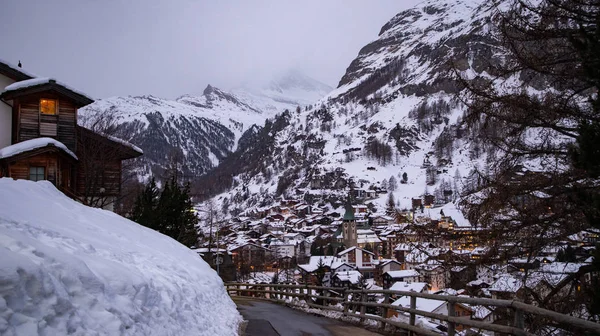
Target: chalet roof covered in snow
(350,249)
(42,84)
(403,274)
(313,263)
(450,210)
(404,286)
(428,305)
(12,71)
(33,144)
(351,276)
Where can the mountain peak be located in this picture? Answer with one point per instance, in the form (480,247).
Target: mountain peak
(209,89)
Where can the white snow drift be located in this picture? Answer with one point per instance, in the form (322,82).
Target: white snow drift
(69,269)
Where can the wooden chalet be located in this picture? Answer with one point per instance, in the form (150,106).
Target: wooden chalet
(42,141)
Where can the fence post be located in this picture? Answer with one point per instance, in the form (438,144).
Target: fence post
(306,297)
(363,308)
(519,319)
(384,311)
(413,305)
(345,302)
(451,325)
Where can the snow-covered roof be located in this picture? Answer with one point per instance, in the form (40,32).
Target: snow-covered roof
(42,81)
(451,210)
(123,142)
(403,274)
(29,145)
(367,236)
(14,70)
(352,276)
(27,83)
(352,249)
(313,263)
(506,283)
(408,287)
(427,305)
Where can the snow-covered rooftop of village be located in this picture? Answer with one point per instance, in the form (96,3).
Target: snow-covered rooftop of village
(352,276)
(70,269)
(403,273)
(32,144)
(313,263)
(427,305)
(408,286)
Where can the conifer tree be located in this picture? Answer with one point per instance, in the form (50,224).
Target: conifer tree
(392,183)
(391,205)
(145,206)
(168,211)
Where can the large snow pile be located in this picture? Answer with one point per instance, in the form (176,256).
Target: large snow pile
(69,269)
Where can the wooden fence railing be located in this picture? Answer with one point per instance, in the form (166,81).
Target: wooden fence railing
(354,303)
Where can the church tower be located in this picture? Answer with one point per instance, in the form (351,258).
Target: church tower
(349,227)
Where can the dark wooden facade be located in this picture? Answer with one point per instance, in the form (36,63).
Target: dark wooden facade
(58,166)
(98,167)
(29,123)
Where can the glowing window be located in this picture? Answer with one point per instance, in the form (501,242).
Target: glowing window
(48,106)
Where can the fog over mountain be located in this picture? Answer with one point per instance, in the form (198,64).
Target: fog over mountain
(169,48)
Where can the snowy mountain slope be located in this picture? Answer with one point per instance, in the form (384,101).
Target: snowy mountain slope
(70,269)
(199,130)
(168,131)
(394,112)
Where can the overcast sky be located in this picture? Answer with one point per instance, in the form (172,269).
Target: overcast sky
(169,48)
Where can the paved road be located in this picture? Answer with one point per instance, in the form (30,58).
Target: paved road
(270,319)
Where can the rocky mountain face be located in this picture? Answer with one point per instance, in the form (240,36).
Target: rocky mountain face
(395,113)
(194,133)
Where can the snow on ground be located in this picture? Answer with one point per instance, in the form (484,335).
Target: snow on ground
(71,269)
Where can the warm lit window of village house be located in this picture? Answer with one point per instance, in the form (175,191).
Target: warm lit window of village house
(37,173)
(48,106)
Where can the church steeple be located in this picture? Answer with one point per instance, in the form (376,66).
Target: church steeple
(349,214)
(349,224)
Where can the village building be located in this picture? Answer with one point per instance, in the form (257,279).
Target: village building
(220,257)
(433,273)
(347,279)
(310,271)
(384,266)
(403,286)
(390,277)
(41,140)
(249,255)
(359,258)
(434,306)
